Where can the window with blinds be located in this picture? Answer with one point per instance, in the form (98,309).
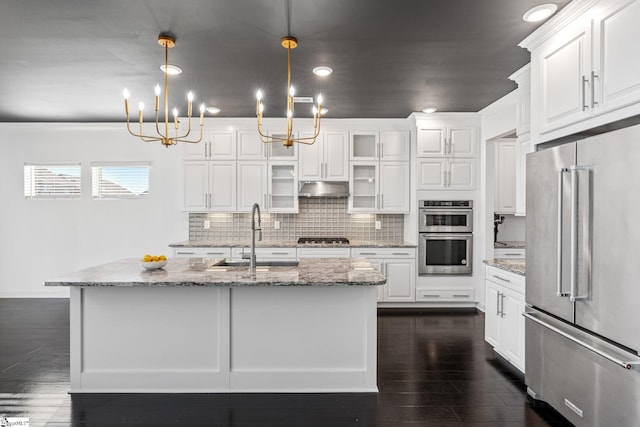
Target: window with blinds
(51,181)
(119,180)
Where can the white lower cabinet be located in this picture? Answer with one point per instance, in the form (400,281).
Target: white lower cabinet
(398,265)
(504,323)
(324,252)
(202,252)
(266,254)
(509,253)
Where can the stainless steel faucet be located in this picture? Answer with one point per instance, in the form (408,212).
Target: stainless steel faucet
(252,259)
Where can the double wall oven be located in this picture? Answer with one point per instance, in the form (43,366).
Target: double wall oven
(445,241)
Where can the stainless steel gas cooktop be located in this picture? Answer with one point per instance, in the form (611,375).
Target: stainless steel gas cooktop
(323,240)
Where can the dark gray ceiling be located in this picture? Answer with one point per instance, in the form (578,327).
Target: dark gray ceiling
(68,60)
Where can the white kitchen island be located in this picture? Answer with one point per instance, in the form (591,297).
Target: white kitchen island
(195,329)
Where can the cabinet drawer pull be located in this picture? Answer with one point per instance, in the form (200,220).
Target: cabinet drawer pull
(215,253)
(512,253)
(400,253)
(430,296)
(185,253)
(279,253)
(502,278)
(368,253)
(460,295)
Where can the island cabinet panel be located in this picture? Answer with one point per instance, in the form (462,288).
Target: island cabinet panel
(301,342)
(146,339)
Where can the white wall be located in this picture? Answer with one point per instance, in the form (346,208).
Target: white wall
(42,239)
(513,229)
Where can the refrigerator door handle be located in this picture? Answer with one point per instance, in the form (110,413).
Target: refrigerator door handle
(576,183)
(559,291)
(622,363)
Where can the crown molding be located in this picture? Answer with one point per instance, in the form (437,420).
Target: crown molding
(566,16)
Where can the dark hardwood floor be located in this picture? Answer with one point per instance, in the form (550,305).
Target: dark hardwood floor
(434,369)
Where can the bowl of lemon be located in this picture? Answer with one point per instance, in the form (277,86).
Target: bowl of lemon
(153,262)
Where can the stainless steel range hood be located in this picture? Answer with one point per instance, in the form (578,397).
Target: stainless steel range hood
(328,189)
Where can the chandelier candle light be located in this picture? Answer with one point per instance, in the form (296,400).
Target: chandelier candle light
(167,42)
(289,43)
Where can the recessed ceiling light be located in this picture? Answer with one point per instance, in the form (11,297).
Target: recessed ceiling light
(213,110)
(322,71)
(171,69)
(540,13)
(429,110)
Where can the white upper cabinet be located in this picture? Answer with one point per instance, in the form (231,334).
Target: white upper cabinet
(325,160)
(364,145)
(394,185)
(391,145)
(394,146)
(504,196)
(277,150)
(209,186)
(252,185)
(564,65)
(283,187)
(439,140)
(250,147)
(214,146)
(586,71)
(617,61)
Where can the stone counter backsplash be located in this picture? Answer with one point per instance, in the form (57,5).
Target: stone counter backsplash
(316,218)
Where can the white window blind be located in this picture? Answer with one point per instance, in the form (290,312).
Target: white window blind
(51,181)
(119,180)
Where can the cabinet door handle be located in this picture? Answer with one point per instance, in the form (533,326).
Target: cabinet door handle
(584,95)
(264,199)
(594,76)
(270,201)
(502,305)
(210,200)
(382,150)
(497,303)
(382,201)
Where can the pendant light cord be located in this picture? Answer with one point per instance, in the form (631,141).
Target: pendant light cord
(287,8)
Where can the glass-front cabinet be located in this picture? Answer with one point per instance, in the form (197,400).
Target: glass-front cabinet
(283,188)
(364,187)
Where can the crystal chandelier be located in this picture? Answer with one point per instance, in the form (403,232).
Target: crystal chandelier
(287,140)
(165,138)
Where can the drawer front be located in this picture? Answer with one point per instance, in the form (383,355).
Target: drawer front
(201,252)
(267,253)
(506,253)
(324,253)
(383,252)
(445,295)
(512,281)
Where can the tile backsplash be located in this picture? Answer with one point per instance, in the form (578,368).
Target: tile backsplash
(315,218)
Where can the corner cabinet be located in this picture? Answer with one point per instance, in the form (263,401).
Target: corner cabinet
(398,265)
(446,154)
(584,73)
(504,323)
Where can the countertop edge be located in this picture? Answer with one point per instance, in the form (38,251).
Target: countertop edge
(242,244)
(516,266)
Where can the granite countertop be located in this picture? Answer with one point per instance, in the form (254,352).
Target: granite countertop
(186,272)
(286,244)
(516,266)
(510,245)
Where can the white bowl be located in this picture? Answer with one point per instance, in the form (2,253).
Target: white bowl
(153,265)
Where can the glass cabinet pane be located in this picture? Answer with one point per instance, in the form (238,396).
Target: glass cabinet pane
(364,186)
(283,192)
(364,146)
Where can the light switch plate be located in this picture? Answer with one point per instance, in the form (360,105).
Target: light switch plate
(378,225)
(207,224)
(276,225)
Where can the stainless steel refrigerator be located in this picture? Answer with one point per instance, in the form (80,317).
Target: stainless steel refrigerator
(583,278)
